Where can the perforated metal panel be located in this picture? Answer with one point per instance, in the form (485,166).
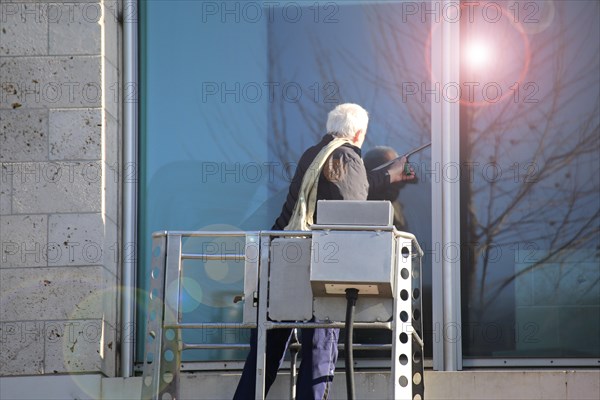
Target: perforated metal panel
(151,382)
(402,334)
(418,382)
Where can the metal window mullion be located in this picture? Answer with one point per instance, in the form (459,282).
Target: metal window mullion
(451,200)
(436,204)
(445,57)
(130,189)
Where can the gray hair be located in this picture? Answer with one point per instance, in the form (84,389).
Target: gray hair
(346,119)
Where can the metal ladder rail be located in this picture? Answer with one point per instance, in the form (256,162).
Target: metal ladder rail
(162,359)
(418,346)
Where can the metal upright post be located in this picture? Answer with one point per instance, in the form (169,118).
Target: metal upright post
(171,342)
(293,371)
(401,378)
(154,319)
(418,386)
(262,325)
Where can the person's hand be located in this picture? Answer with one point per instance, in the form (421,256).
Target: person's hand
(401,171)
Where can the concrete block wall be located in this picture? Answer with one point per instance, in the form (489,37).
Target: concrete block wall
(59,186)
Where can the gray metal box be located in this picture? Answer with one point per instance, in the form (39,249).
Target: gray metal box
(368,309)
(358,259)
(355,212)
(290,294)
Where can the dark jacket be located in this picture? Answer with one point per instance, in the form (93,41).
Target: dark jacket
(343,178)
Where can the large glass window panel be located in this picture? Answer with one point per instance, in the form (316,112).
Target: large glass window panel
(530,189)
(235,92)
(195,142)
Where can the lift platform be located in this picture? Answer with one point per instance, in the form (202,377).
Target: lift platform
(297,279)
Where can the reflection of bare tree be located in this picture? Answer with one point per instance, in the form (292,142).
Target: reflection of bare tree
(545,145)
(547,195)
(398,60)
(375,76)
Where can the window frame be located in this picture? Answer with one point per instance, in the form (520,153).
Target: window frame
(445,126)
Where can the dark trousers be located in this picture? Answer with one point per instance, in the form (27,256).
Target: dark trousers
(319,354)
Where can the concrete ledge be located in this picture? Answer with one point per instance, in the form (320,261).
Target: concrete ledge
(56,387)
(502,384)
(464,385)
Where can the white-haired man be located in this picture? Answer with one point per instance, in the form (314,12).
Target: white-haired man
(335,169)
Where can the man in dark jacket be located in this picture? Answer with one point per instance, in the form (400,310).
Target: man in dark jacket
(342,177)
(374,158)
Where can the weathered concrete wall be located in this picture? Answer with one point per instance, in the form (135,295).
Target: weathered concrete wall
(59,207)
(465,385)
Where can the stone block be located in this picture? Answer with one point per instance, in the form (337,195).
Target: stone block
(75,134)
(111,193)
(50,82)
(73,346)
(109,297)
(112,89)
(76,239)
(112,168)
(111,247)
(111,8)
(5,190)
(24,29)
(110,31)
(112,157)
(111,144)
(30,294)
(76,29)
(24,135)
(21,348)
(108,346)
(23,240)
(56,187)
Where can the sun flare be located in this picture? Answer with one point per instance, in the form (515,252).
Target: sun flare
(478,54)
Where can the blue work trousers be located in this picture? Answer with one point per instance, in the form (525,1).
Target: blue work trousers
(319,354)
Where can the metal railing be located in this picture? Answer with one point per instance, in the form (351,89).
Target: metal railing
(163,341)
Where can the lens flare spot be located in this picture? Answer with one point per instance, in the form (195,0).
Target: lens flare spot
(191,295)
(217,270)
(478,54)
